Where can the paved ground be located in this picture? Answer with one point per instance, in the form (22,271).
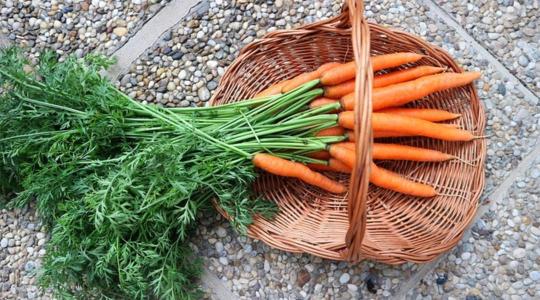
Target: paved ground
(184,60)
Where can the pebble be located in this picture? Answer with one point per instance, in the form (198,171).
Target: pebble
(344,278)
(204,94)
(120,31)
(535,275)
(221,232)
(519,253)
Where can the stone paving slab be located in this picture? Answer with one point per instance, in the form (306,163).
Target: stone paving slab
(74,26)
(500,259)
(509,29)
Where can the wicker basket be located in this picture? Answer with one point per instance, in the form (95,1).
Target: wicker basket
(368,222)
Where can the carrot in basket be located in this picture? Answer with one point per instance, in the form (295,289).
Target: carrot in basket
(274,89)
(347,87)
(319,154)
(347,71)
(389,134)
(332,131)
(339,90)
(408,125)
(321,101)
(395,182)
(282,167)
(405,92)
(405,75)
(428,114)
(333,165)
(384,178)
(402,93)
(382,151)
(307,77)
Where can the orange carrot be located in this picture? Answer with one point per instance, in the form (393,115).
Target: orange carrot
(402,152)
(339,90)
(381,151)
(395,182)
(347,71)
(274,89)
(433,115)
(343,154)
(384,178)
(299,80)
(307,77)
(404,75)
(408,125)
(348,145)
(332,131)
(350,135)
(282,167)
(347,87)
(333,165)
(319,154)
(402,93)
(327,66)
(388,134)
(321,101)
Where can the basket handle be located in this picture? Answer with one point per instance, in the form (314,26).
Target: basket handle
(359,183)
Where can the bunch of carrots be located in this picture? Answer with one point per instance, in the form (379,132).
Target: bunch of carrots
(391,90)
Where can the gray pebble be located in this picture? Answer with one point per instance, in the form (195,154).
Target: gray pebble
(203,93)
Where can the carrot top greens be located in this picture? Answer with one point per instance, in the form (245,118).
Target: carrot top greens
(121,184)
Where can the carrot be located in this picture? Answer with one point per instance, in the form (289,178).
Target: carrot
(389,134)
(320,102)
(319,154)
(395,182)
(433,115)
(327,66)
(272,90)
(347,87)
(384,178)
(348,145)
(402,93)
(347,71)
(282,167)
(307,77)
(333,165)
(339,90)
(350,135)
(381,151)
(343,154)
(299,80)
(402,152)
(332,131)
(408,125)
(404,75)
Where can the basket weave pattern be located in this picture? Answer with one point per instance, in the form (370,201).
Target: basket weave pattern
(368,222)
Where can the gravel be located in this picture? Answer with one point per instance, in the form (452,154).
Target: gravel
(74,26)
(194,54)
(22,246)
(512,119)
(509,29)
(506,258)
(253,270)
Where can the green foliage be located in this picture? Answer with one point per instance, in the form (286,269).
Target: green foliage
(121,184)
